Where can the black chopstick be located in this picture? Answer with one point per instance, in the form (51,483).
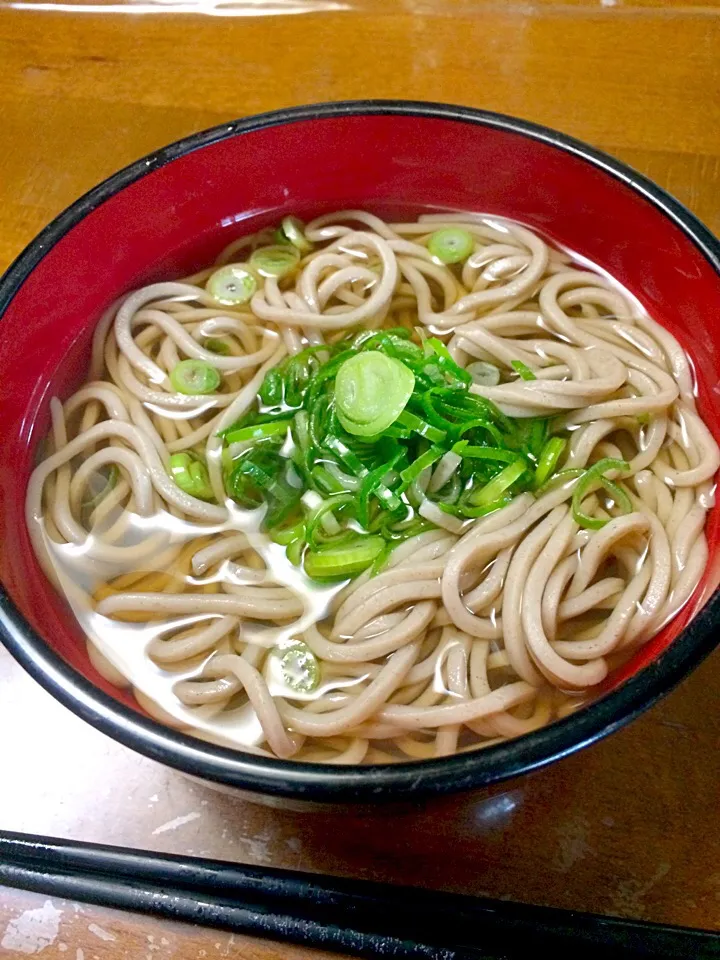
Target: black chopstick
(363,918)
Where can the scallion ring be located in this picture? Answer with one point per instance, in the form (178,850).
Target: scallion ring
(190,474)
(425,460)
(95,494)
(591,479)
(299,667)
(523,370)
(421,427)
(548,461)
(294,551)
(232,284)
(484,374)
(194,377)
(258,431)
(498,485)
(292,231)
(348,560)
(216,345)
(275,261)
(451,245)
(371,391)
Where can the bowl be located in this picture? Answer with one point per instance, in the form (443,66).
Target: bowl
(174,210)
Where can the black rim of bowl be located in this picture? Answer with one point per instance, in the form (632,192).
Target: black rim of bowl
(367,783)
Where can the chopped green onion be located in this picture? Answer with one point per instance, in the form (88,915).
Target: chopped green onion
(292,230)
(558,479)
(593,477)
(371,391)
(442,403)
(437,349)
(619,495)
(263,476)
(294,551)
(381,559)
(399,531)
(215,345)
(425,460)
(420,427)
(348,560)
(110,479)
(548,460)
(299,667)
(464,510)
(481,424)
(325,481)
(538,433)
(451,245)
(464,449)
(286,535)
(258,431)
(231,284)
(314,535)
(275,261)
(523,370)
(341,433)
(194,377)
(484,374)
(271,390)
(350,459)
(373,484)
(528,436)
(497,487)
(191,475)
(249,478)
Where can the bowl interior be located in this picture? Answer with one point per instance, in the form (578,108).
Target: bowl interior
(165,218)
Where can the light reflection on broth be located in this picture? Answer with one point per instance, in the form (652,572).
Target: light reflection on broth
(383,613)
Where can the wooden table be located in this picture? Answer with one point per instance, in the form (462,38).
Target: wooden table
(628,826)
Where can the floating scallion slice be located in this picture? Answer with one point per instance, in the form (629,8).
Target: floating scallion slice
(548,460)
(595,477)
(191,475)
(96,493)
(194,377)
(451,245)
(287,535)
(258,431)
(275,261)
(292,230)
(421,427)
(294,551)
(216,345)
(425,460)
(438,353)
(232,284)
(341,562)
(523,370)
(498,485)
(299,667)
(371,391)
(314,534)
(484,374)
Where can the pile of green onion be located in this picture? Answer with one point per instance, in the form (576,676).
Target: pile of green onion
(337,447)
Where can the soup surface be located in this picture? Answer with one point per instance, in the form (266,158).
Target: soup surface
(367,491)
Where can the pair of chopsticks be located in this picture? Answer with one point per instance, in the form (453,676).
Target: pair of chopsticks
(362,918)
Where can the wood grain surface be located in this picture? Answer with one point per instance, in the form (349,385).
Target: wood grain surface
(626,827)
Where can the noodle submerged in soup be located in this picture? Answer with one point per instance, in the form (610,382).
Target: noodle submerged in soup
(368,491)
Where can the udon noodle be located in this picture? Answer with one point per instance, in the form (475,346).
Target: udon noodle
(473,629)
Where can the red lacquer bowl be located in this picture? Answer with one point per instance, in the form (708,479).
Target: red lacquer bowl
(172,212)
